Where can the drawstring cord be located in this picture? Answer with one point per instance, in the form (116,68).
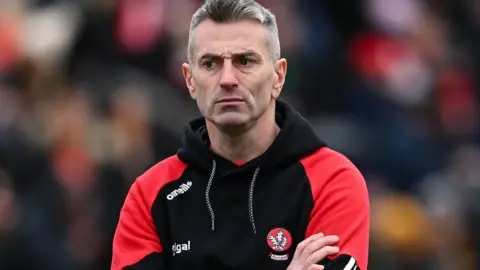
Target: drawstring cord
(250,197)
(207,194)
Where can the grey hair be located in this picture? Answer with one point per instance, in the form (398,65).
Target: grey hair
(226,11)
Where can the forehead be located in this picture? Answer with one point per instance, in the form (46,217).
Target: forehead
(218,38)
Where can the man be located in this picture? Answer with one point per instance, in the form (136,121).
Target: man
(252,187)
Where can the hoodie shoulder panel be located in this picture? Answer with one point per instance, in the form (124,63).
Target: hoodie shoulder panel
(136,236)
(340,205)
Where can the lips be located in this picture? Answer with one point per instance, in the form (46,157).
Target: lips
(230,99)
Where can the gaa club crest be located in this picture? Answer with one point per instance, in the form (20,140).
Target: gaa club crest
(279,240)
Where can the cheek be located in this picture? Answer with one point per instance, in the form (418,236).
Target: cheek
(204,94)
(202,100)
(262,88)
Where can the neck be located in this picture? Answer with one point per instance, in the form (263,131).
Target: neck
(247,144)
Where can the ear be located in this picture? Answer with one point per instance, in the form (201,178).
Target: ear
(187,74)
(280,67)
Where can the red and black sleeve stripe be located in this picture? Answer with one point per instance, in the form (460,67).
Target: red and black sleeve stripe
(136,243)
(341,207)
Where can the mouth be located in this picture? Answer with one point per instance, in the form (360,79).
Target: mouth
(230,100)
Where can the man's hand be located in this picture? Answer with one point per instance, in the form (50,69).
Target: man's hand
(312,250)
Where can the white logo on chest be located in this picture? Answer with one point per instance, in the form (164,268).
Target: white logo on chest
(180,190)
(179,248)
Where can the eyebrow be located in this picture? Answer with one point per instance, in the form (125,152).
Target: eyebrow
(248,53)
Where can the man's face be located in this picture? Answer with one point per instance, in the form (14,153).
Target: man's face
(232,77)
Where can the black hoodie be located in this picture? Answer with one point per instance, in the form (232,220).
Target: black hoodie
(198,210)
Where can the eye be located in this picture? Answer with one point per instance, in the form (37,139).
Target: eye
(209,64)
(244,61)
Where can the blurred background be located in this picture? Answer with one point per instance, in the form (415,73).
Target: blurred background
(91,95)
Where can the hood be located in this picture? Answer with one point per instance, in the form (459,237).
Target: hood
(295,140)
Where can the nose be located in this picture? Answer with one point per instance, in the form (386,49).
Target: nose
(228,79)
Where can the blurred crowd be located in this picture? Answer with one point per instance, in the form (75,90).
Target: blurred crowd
(91,95)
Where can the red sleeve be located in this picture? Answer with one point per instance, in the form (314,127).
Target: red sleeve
(341,204)
(136,235)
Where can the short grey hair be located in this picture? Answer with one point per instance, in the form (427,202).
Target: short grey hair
(227,11)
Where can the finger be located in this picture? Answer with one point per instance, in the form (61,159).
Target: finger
(316,267)
(316,245)
(321,254)
(302,245)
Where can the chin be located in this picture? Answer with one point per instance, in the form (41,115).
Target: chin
(231,119)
